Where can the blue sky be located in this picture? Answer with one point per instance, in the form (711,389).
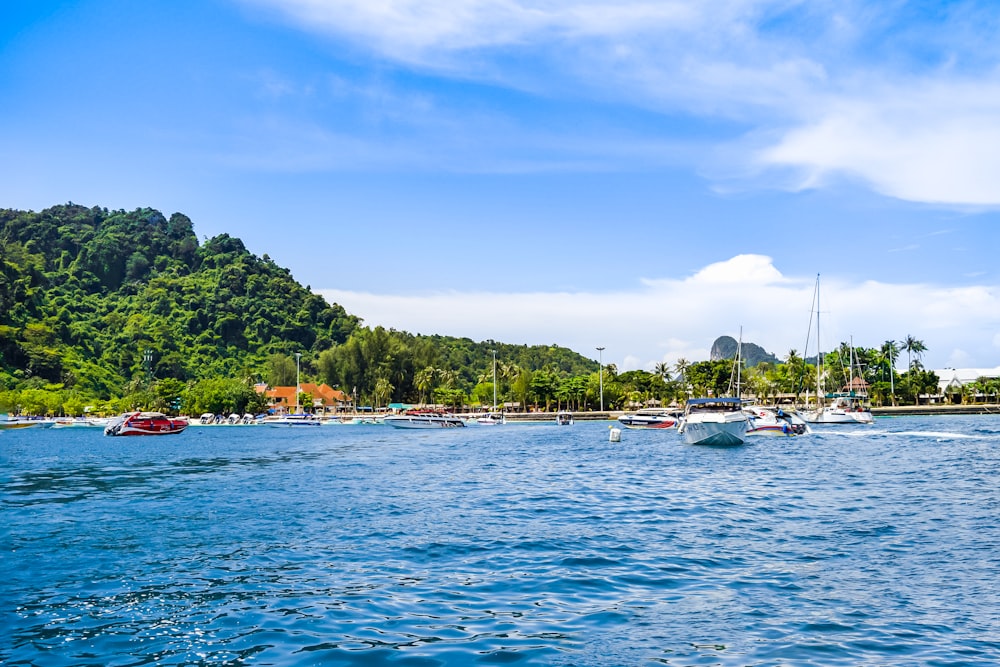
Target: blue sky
(643,176)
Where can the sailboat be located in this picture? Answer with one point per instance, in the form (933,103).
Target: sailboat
(846,407)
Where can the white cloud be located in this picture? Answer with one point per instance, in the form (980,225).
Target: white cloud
(800,75)
(418,30)
(665,319)
(934,142)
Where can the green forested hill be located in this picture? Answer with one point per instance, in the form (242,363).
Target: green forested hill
(105,304)
(85,292)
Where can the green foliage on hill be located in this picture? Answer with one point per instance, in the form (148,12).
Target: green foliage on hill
(98,304)
(120,310)
(84,292)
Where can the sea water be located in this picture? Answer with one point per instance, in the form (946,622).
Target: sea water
(515,544)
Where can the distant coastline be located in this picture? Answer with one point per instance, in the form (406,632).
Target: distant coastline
(885,411)
(905,410)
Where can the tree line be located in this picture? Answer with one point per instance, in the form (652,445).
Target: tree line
(127,309)
(113,310)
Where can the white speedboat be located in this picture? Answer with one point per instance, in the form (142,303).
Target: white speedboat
(424,419)
(845,409)
(564,418)
(714,421)
(75,422)
(293,420)
(649,418)
(774,421)
(492,419)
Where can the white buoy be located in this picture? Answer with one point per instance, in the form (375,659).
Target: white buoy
(615,435)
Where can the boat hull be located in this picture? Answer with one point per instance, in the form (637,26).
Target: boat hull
(294,423)
(143,423)
(720,422)
(835,416)
(766,421)
(11,424)
(641,423)
(423,421)
(719,434)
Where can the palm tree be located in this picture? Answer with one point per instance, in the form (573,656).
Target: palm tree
(681,367)
(383,390)
(889,353)
(662,369)
(913,347)
(424,380)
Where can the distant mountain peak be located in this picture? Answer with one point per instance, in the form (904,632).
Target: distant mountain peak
(725,347)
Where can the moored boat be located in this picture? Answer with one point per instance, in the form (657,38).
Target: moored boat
(76,422)
(846,408)
(652,418)
(774,421)
(19,422)
(145,423)
(492,419)
(564,418)
(714,421)
(424,419)
(293,420)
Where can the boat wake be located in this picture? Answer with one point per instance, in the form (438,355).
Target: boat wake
(940,435)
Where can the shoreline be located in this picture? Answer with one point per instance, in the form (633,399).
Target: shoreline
(884,411)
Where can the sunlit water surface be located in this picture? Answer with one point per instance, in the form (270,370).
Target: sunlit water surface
(525,544)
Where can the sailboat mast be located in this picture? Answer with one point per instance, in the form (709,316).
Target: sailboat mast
(819,353)
(739,363)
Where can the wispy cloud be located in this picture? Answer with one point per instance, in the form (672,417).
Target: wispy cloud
(932,141)
(820,91)
(668,318)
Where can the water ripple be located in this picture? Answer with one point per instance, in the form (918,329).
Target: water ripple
(518,545)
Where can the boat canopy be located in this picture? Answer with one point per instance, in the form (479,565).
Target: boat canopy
(702,401)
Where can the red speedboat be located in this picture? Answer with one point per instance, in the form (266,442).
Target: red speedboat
(145,423)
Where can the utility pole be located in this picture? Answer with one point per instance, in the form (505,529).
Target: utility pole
(600,374)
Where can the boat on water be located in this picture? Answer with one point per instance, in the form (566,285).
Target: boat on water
(293,420)
(145,423)
(78,422)
(22,422)
(845,408)
(492,419)
(651,418)
(355,420)
(714,421)
(424,419)
(848,407)
(564,418)
(774,421)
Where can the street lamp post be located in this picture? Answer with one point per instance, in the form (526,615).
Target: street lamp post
(297,355)
(494,379)
(600,374)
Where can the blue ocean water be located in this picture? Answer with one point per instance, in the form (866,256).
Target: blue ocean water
(519,544)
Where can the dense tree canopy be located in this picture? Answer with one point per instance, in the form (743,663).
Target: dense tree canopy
(106,306)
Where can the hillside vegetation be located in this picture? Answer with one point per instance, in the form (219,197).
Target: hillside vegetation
(101,304)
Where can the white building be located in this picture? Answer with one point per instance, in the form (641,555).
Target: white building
(951,380)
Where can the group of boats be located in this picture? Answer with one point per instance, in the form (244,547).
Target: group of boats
(58,422)
(707,421)
(157,423)
(719,421)
(730,420)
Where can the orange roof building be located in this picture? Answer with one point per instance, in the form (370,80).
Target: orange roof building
(324,397)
